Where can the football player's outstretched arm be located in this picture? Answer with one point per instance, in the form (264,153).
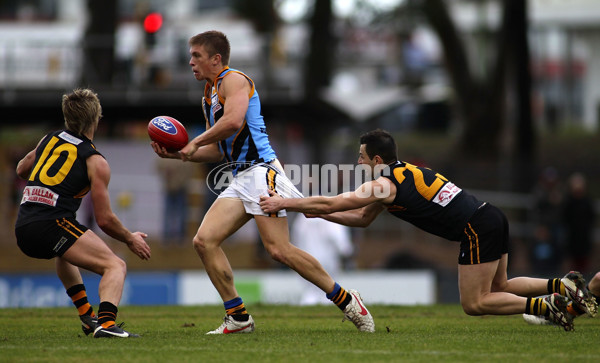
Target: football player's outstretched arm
(353,208)
(361,217)
(99,174)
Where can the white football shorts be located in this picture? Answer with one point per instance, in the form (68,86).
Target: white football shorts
(250,184)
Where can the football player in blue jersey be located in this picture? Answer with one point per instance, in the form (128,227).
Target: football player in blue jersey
(433,203)
(60,171)
(236,132)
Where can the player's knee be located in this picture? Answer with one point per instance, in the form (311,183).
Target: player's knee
(200,243)
(277,255)
(118,265)
(471,308)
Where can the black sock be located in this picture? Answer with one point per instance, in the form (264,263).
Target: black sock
(107,314)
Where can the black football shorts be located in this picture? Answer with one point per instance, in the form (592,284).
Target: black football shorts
(49,238)
(485,238)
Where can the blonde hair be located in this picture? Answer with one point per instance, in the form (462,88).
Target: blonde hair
(81,110)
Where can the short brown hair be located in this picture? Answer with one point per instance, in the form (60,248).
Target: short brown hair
(380,142)
(214,42)
(81,110)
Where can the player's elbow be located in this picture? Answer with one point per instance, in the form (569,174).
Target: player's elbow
(362,223)
(216,157)
(233,125)
(23,174)
(364,220)
(105,221)
(22,170)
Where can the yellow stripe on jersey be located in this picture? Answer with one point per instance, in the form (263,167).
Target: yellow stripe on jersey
(474,244)
(69,227)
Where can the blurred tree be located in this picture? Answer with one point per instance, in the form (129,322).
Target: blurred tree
(482,99)
(526,140)
(321,50)
(318,69)
(261,14)
(265,21)
(98,43)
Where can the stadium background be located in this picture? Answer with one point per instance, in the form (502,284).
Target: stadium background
(378,78)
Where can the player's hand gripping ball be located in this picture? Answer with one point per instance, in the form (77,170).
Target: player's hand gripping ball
(168,133)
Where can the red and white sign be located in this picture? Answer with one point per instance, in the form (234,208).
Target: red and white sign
(39,195)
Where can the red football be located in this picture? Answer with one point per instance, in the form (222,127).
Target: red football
(168,133)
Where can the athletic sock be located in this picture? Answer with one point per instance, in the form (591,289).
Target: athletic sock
(236,309)
(79,297)
(536,306)
(107,314)
(339,296)
(556,285)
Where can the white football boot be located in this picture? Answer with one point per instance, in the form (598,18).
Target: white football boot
(358,314)
(232,326)
(537,320)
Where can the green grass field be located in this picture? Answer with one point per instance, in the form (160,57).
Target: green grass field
(441,333)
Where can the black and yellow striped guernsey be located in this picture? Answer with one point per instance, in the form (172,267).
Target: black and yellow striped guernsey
(59,178)
(429,201)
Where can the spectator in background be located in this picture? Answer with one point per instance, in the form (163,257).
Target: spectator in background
(330,243)
(547,220)
(578,215)
(175,178)
(415,62)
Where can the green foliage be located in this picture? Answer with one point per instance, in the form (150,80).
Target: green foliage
(441,333)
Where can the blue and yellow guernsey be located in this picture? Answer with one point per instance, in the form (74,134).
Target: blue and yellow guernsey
(249,145)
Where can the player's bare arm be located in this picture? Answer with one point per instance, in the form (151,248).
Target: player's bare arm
(99,174)
(235,89)
(207,153)
(380,190)
(25,165)
(361,217)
